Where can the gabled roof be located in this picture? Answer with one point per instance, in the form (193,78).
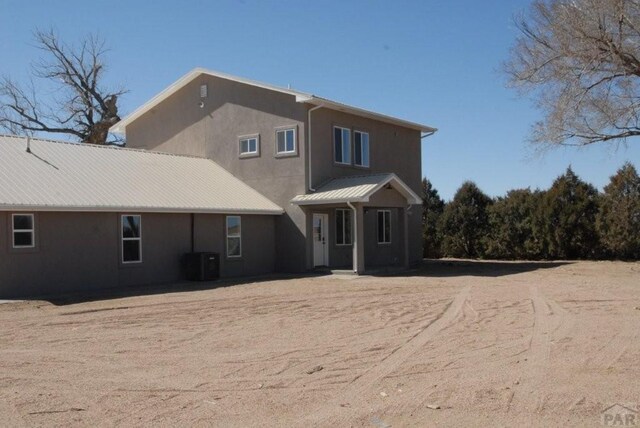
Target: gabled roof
(59,176)
(357,188)
(302,97)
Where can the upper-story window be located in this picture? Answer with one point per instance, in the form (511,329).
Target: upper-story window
(361,148)
(23,231)
(342,145)
(286,141)
(249,145)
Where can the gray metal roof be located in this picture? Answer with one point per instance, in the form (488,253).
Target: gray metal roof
(357,188)
(59,176)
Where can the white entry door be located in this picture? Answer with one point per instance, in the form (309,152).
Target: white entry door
(320,242)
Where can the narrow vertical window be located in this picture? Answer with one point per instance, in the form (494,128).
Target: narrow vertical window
(361,148)
(286,141)
(384,227)
(23,231)
(131,239)
(343,227)
(342,145)
(234,236)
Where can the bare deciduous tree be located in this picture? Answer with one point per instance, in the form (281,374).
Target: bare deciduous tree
(581,61)
(79,106)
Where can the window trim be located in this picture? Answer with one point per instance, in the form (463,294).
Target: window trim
(294,152)
(342,210)
(32,231)
(122,239)
(344,128)
(249,137)
(227,236)
(387,214)
(358,131)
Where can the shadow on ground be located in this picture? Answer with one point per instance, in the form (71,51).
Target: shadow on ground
(428,268)
(150,290)
(450,268)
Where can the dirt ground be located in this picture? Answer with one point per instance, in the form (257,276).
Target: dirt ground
(456,343)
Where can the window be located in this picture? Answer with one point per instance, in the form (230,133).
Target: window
(249,145)
(234,236)
(361,148)
(343,227)
(342,145)
(285,141)
(384,227)
(131,239)
(23,231)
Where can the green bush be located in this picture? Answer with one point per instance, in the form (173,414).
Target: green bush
(464,223)
(618,221)
(570,220)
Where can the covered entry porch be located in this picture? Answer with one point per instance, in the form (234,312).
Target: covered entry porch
(360,222)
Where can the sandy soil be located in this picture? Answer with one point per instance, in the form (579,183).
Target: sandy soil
(488,343)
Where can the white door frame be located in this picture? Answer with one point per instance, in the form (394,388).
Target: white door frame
(324,237)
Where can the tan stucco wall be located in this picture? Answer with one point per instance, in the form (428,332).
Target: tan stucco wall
(392,149)
(81,251)
(376,255)
(179,125)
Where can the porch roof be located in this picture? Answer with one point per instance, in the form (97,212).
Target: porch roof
(357,188)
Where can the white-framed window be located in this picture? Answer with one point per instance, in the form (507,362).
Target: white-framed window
(285,141)
(23,231)
(384,227)
(342,145)
(343,226)
(249,145)
(234,236)
(361,148)
(131,238)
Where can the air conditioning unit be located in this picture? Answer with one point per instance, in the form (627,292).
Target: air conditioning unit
(202,266)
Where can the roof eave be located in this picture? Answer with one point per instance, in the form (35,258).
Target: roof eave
(328,201)
(164,210)
(318,101)
(120,127)
(301,97)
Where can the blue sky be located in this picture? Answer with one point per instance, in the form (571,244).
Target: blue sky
(427,61)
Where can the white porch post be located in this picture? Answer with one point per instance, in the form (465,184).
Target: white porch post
(358,238)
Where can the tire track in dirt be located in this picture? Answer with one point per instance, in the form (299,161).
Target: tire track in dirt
(549,324)
(363,384)
(10,415)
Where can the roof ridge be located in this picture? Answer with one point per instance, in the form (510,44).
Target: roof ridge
(97,146)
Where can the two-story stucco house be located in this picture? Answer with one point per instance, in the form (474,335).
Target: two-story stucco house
(271,179)
(346,178)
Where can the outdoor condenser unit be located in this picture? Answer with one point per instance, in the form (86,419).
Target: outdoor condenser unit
(202,266)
